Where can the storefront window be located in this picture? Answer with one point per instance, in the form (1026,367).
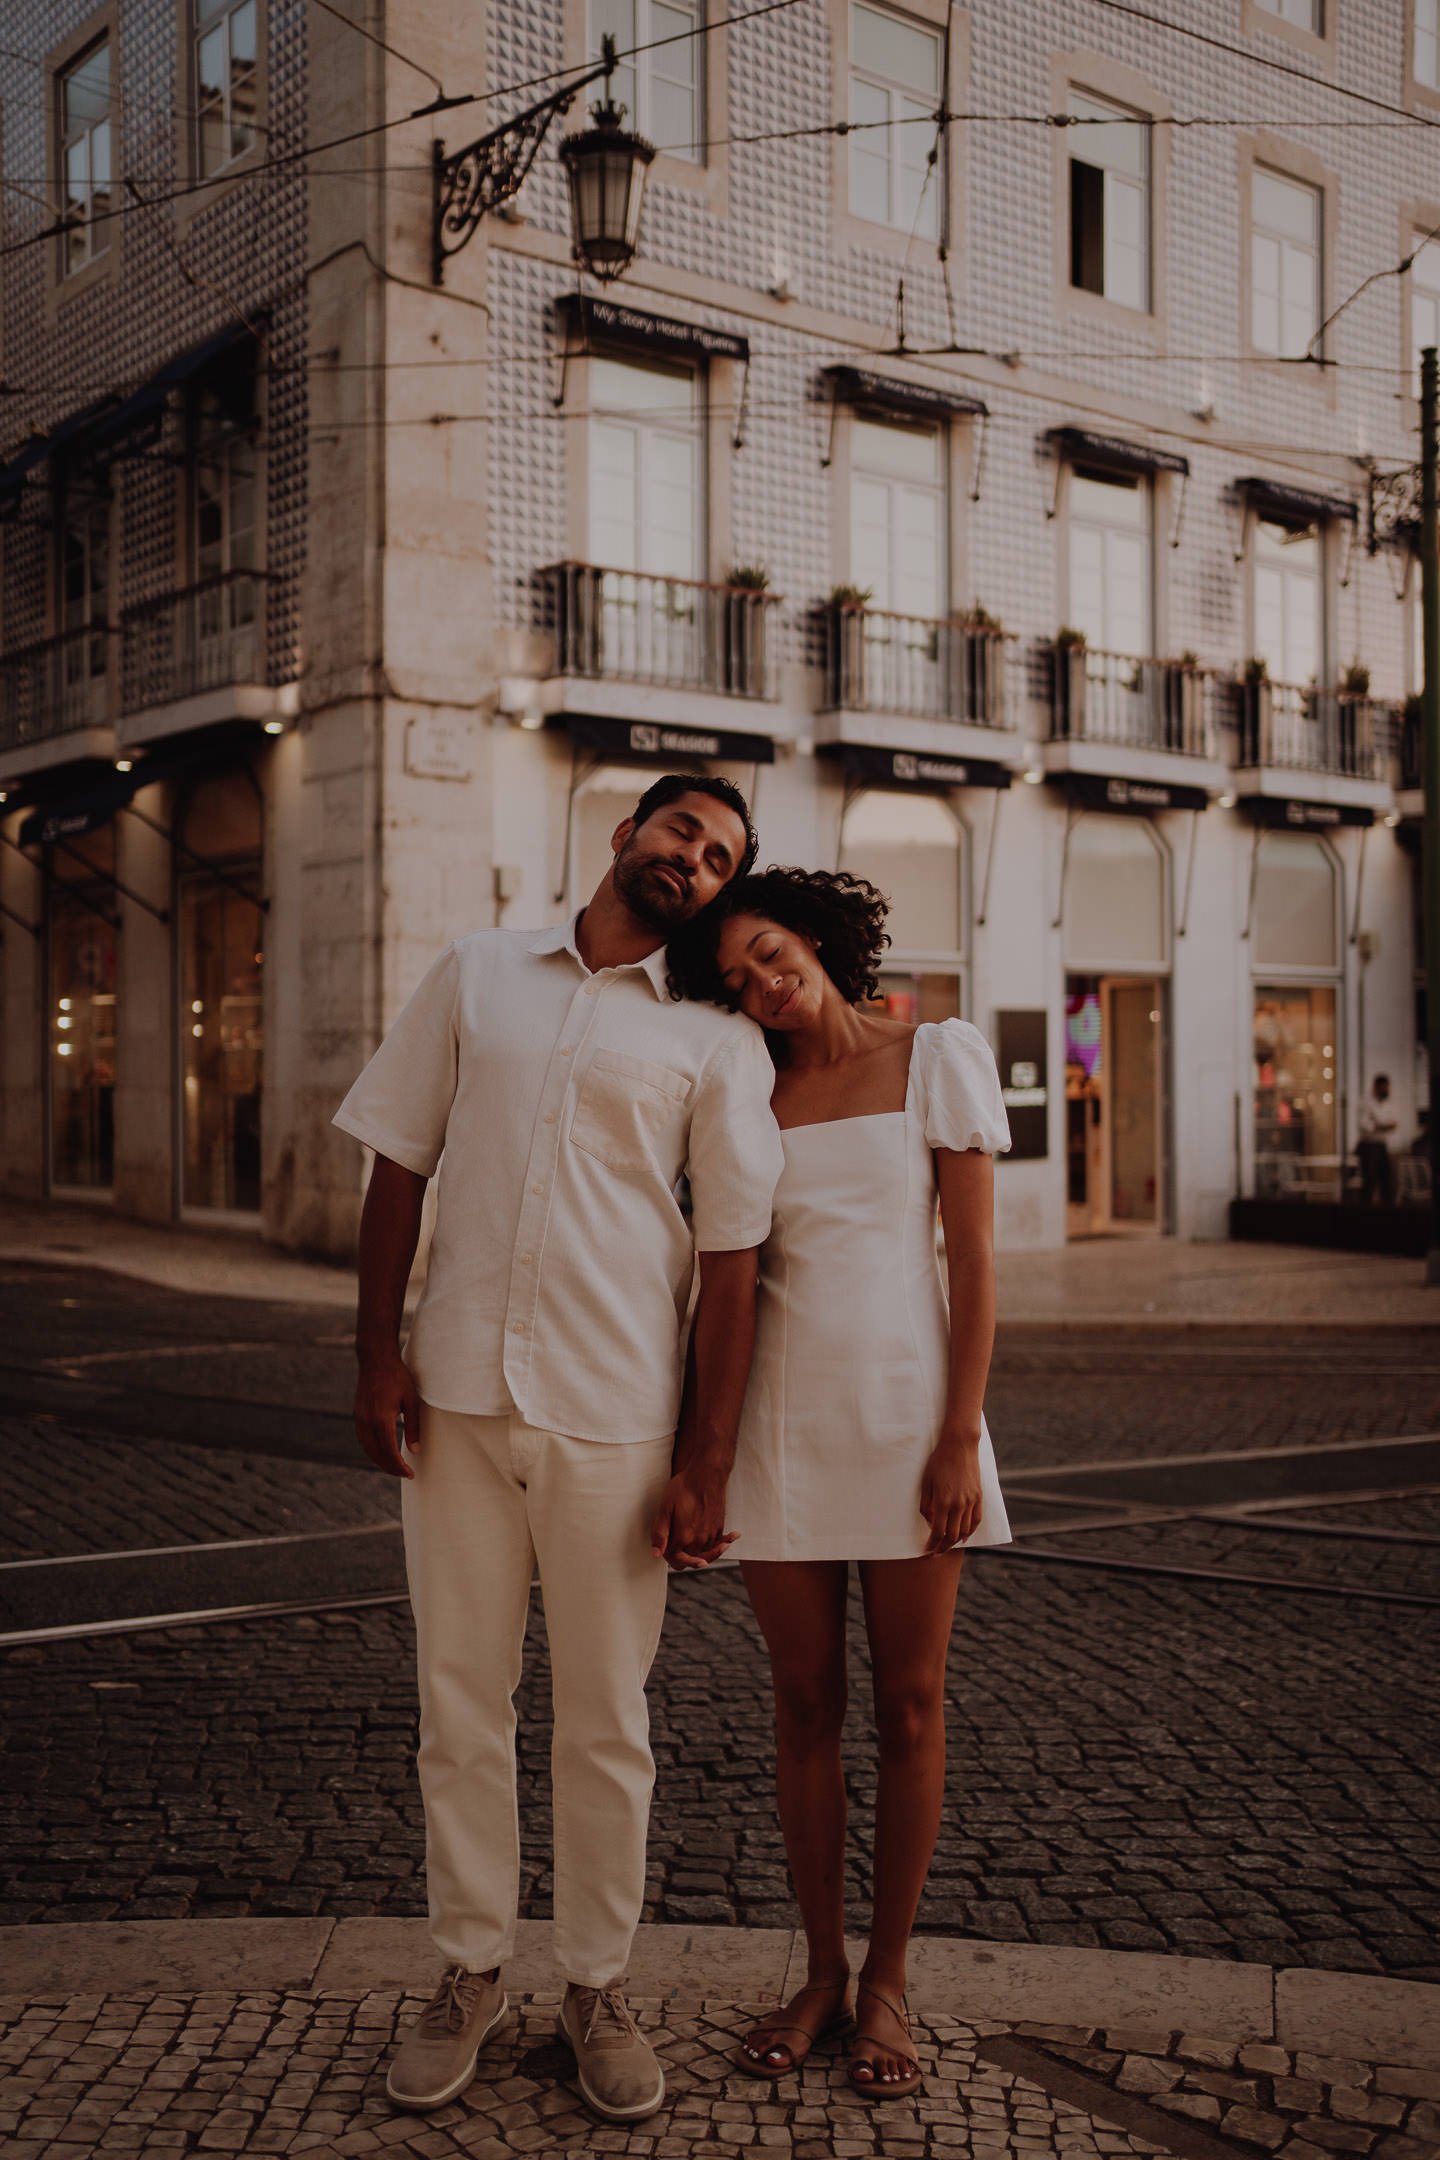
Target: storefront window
(82,1015)
(1297,1126)
(221,1005)
(1115,911)
(912,848)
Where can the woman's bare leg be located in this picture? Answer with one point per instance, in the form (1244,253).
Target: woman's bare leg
(909,1611)
(800,1605)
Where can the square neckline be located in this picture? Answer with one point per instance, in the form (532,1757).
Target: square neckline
(865,1117)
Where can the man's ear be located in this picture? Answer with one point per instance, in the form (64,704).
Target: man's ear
(621,834)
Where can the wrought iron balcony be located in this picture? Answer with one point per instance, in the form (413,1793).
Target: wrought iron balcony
(58,686)
(915,665)
(674,633)
(1410,747)
(1303,729)
(1130,701)
(206,637)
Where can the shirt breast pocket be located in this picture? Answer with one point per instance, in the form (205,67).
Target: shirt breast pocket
(630,1114)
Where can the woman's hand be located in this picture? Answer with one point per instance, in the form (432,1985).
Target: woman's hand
(950,1496)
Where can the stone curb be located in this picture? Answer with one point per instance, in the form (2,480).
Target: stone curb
(1338,2014)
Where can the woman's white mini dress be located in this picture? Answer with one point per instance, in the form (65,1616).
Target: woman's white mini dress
(847,1388)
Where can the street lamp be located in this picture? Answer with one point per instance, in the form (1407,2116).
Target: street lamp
(606,167)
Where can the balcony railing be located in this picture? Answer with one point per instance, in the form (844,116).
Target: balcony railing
(1130,701)
(206,637)
(1303,729)
(58,686)
(914,665)
(674,633)
(1410,747)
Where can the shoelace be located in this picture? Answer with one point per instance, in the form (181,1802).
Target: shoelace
(610,2003)
(454,2001)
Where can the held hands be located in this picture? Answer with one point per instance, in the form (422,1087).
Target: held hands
(384,1393)
(950,1495)
(688,1530)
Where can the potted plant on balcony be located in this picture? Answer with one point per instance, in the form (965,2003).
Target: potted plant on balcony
(846,609)
(1070,650)
(745,629)
(984,648)
(1183,691)
(1255,707)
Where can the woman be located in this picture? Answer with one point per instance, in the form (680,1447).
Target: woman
(862,1436)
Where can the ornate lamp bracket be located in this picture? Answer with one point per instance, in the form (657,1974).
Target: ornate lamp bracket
(492,169)
(1394,509)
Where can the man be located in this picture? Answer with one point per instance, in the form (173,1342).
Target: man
(536,1403)
(1377,1123)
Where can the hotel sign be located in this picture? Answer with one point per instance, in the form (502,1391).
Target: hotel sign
(1133,798)
(1283,813)
(867,765)
(657,740)
(611,322)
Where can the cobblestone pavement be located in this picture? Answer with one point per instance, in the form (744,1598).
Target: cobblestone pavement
(94,2078)
(1137,1763)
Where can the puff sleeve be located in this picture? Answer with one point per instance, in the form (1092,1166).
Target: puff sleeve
(960,1087)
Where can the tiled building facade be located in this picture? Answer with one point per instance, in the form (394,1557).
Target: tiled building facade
(1049,380)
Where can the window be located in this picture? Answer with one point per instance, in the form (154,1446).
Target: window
(82,953)
(662,90)
(895,87)
(1289,615)
(1110,561)
(1427,44)
(1116,913)
(1284,264)
(1109,202)
(86,176)
(897,554)
(227,82)
(645,468)
(82,577)
(221,1006)
(224,522)
(911,847)
(1300,14)
(1424,302)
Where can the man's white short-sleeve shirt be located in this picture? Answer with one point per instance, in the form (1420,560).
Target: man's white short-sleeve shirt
(561,1108)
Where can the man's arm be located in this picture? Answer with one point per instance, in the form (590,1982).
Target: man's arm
(689,1525)
(385,1388)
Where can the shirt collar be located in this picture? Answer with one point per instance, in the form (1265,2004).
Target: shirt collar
(561,938)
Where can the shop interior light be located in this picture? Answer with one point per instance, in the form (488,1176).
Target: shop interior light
(197,1029)
(1391,818)
(1225,801)
(124,764)
(63,1049)
(197,1005)
(1033,774)
(3,796)
(64,1021)
(65,1004)
(274,727)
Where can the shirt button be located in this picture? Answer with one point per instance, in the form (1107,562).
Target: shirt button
(539,1191)
(527,1259)
(567,1050)
(549,1117)
(517,1327)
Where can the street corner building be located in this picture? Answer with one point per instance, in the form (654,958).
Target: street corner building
(1000,503)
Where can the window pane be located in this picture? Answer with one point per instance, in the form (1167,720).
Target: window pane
(917,182)
(85,91)
(221,1030)
(82,1039)
(1287,207)
(903,453)
(1265,293)
(1296,1091)
(901,52)
(244,78)
(1125,266)
(1115,898)
(1110,136)
(623,386)
(674,122)
(870,153)
(210,100)
(1427,43)
(909,845)
(1087,226)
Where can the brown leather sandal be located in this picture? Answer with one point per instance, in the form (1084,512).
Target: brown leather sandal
(757,2066)
(875,2087)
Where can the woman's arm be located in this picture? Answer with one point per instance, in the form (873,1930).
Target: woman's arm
(950,1498)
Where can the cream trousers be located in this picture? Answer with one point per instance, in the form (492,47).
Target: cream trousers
(492,1500)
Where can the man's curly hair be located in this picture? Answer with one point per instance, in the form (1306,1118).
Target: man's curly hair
(845,915)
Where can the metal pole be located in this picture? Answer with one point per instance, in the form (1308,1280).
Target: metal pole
(1430,760)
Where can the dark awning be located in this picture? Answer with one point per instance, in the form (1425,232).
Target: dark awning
(98,430)
(863,388)
(650,742)
(867,765)
(1287,505)
(1086,446)
(1131,798)
(85,810)
(1284,813)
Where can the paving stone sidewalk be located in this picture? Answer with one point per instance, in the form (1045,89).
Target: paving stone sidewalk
(282,2072)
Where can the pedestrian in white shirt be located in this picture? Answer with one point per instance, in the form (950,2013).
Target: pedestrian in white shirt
(560,1093)
(1372,1151)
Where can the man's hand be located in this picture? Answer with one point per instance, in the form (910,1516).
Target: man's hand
(384,1393)
(688,1530)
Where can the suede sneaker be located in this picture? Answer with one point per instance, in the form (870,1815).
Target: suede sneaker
(436,2058)
(616,2066)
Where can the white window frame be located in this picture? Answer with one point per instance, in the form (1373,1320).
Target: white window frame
(635,79)
(200,33)
(1307,15)
(91,517)
(1290,576)
(935,494)
(68,138)
(1425,46)
(930,220)
(647,429)
(1291,253)
(1143,489)
(1116,185)
(949,961)
(1424,303)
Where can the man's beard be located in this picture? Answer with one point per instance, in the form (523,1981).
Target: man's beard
(655,900)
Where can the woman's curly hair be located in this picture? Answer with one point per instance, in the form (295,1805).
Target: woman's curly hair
(845,916)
